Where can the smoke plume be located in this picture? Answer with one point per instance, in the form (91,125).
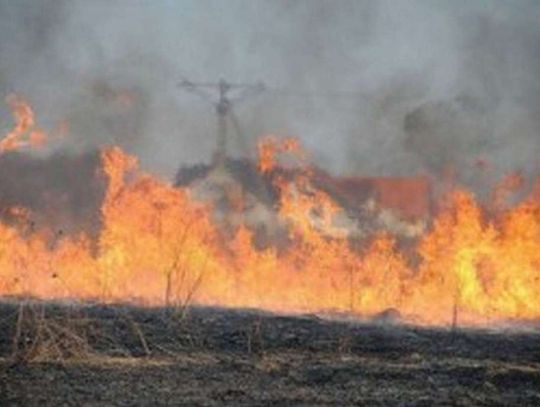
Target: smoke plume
(375,88)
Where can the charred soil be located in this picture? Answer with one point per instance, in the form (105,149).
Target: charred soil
(92,354)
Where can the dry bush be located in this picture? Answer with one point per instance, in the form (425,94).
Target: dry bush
(254,338)
(135,329)
(45,337)
(344,344)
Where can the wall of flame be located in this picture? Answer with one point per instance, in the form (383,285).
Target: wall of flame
(157,245)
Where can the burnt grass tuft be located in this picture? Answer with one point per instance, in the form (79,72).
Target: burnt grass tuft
(58,354)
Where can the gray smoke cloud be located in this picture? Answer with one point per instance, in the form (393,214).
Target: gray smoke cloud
(375,88)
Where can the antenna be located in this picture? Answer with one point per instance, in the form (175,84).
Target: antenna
(227,94)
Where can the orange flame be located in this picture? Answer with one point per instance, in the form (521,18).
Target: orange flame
(157,245)
(269,148)
(24,133)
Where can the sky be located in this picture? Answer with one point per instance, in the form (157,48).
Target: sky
(371,88)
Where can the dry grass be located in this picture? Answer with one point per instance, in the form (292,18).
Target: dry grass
(44,333)
(39,337)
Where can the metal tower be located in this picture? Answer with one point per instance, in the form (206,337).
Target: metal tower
(227,95)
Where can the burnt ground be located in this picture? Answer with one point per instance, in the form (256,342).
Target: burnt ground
(121,355)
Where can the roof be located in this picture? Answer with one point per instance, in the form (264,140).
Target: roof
(409,196)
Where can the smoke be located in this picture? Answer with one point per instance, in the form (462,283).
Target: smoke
(63,192)
(376,88)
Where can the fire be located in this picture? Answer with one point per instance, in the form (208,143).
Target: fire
(269,149)
(158,245)
(24,132)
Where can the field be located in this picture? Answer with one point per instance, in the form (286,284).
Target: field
(93,354)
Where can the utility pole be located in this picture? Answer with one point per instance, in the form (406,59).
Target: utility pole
(227,94)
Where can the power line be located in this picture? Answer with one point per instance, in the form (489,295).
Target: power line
(276,90)
(223,94)
(316,94)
